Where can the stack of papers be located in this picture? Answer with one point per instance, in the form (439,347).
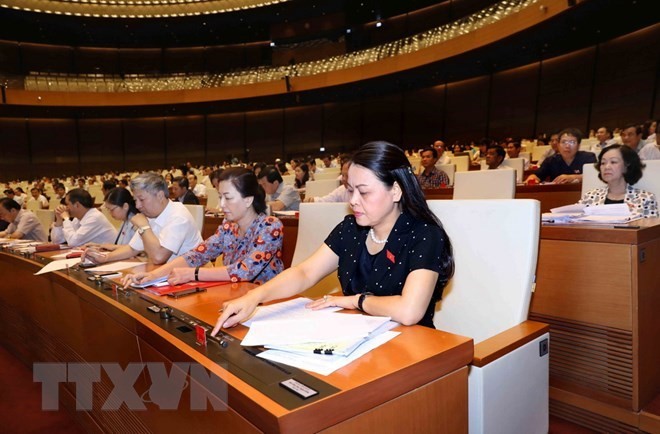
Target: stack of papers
(603,214)
(319,341)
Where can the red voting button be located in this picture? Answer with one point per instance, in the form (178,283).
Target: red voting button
(201,335)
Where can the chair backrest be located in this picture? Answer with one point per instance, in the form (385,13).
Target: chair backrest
(46,218)
(33,205)
(96,193)
(650,180)
(495,245)
(320,187)
(197,212)
(289,179)
(327,174)
(527,155)
(449,169)
(53,203)
(518,164)
(462,162)
(485,184)
(212,198)
(538,152)
(316,221)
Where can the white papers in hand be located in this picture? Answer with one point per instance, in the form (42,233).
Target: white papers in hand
(60,264)
(322,327)
(159,281)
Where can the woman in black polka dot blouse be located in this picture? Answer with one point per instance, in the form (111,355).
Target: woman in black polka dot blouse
(392,256)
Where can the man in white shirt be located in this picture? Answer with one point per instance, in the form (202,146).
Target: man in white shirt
(604,137)
(165,229)
(38,198)
(632,137)
(494,157)
(89,225)
(197,188)
(279,196)
(23,224)
(513,151)
(339,194)
(443,158)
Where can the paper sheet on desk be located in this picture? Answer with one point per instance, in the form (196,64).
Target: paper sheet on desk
(60,264)
(115,266)
(290,309)
(606,219)
(321,327)
(610,210)
(285,213)
(322,364)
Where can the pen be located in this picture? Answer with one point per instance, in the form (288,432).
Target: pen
(626,227)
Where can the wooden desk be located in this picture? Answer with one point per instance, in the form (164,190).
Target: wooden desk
(416,382)
(599,290)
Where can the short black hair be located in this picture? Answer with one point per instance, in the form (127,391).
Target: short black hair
(9,204)
(182,182)
(429,149)
(637,127)
(271,174)
(571,132)
(499,150)
(631,161)
(81,196)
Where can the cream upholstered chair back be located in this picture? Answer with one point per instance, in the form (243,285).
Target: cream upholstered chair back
(289,179)
(485,184)
(538,152)
(197,211)
(33,205)
(486,295)
(46,218)
(332,173)
(650,180)
(462,162)
(316,221)
(518,164)
(449,169)
(495,245)
(320,187)
(212,198)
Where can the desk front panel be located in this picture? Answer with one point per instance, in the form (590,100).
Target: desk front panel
(60,318)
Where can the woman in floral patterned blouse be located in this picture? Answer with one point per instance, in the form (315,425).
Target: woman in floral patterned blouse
(249,240)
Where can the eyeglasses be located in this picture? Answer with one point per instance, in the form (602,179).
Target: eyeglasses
(111,209)
(568,142)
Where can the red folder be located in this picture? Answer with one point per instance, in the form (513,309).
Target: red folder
(169,289)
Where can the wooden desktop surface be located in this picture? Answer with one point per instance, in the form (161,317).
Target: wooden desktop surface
(419,379)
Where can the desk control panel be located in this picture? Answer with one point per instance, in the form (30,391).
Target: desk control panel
(223,349)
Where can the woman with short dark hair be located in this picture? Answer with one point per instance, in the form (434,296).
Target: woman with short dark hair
(249,241)
(620,168)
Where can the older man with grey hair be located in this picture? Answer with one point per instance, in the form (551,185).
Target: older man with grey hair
(165,229)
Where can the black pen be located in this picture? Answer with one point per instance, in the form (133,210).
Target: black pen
(626,227)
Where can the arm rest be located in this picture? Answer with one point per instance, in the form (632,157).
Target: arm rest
(503,343)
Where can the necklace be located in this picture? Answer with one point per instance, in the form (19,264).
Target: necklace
(374,239)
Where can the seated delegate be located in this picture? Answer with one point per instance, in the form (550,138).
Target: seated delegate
(279,196)
(120,204)
(23,224)
(620,167)
(249,240)
(392,256)
(566,166)
(89,225)
(165,229)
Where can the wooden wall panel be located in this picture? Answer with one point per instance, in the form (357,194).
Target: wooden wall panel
(140,60)
(382,119)
(46,58)
(264,134)
(14,150)
(302,131)
(54,146)
(188,59)
(101,145)
(423,117)
(342,126)
(467,109)
(513,102)
(625,78)
(144,143)
(185,140)
(10,57)
(225,137)
(565,91)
